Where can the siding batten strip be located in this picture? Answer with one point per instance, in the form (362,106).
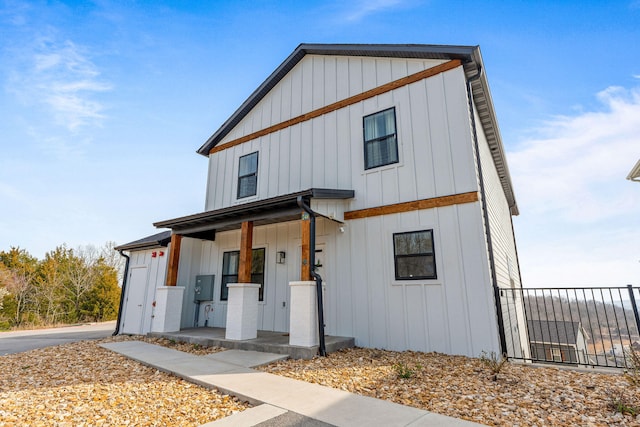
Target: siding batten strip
(429,72)
(435,202)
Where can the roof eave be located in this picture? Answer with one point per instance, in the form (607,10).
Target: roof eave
(159,240)
(285,203)
(375,50)
(634,175)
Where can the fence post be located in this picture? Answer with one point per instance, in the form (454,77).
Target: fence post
(635,307)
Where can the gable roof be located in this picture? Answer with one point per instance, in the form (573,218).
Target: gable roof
(149,242)
(560,332)
(634,175)
(473,67)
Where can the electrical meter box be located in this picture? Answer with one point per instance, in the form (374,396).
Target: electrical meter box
(204,288)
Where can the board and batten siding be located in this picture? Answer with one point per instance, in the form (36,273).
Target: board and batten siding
(156,275)
(434,141)
(504,252)
(452,314)
(273,311)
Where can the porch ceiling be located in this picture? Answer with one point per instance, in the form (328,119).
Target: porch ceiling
(283,208)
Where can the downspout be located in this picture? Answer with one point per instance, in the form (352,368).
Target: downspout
(483,197)
(122,291)
(312,263)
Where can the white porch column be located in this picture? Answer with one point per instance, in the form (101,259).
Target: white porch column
(242,311)
(168,310)
(303,329)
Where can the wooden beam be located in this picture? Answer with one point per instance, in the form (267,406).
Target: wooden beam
(174,260)
(435,202)
(246,246)
(421,75)
(305,268)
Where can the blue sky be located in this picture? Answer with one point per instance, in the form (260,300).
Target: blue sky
(103,104)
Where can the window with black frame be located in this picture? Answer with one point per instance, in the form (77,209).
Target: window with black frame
(380,141)
(414,255)
(230,265)
(248,175)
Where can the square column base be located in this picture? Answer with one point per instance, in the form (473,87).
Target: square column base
(168,310)
(242,311)
(303,329)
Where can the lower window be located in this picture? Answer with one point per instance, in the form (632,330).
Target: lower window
(414,255)
(230,265)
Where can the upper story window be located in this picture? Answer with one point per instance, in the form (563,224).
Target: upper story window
(414,255)
(380,142)
(248,175)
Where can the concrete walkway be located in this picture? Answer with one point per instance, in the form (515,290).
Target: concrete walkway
(278,401)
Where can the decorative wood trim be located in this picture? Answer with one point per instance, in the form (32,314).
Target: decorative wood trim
(430,72)
(174,260)
(246,254)
(305,268)
(435,202)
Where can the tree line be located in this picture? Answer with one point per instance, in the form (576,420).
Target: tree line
(607,317)
(67,286)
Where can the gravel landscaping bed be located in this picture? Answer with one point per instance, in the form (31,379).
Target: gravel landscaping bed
(464,387)
(82,384)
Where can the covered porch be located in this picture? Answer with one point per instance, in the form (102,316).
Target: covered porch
(242,293)
(266,341)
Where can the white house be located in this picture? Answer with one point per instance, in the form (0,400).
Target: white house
(394,152)
(634,175)
(558,341)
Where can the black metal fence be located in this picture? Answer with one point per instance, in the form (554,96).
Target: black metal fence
(579,326)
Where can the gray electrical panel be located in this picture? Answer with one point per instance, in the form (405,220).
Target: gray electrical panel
(204,288)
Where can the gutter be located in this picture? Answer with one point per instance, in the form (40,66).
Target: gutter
(318,279)
(122,291)
(483,198)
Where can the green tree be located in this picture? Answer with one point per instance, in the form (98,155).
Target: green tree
(103,298)
(52,305)
(18,270)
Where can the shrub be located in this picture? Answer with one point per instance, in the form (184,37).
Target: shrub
(632,373)
(403,371)
(494,362)
(619,402)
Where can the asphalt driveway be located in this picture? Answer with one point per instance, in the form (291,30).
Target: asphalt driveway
(19,341)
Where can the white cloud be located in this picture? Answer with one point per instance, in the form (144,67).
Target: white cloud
(575,168)
(362,8)
(60,77)
(580,217)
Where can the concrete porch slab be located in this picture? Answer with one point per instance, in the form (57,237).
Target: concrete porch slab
(267,341)
(246,358)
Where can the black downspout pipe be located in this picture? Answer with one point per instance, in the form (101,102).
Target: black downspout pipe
(322,350)
(483,196)
(122,291)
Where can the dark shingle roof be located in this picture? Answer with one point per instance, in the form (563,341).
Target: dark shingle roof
(154,241)
(561,332)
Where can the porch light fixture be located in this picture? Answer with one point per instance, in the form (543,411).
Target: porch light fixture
(280,256)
